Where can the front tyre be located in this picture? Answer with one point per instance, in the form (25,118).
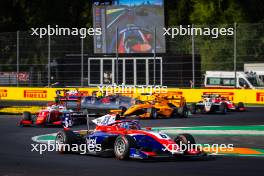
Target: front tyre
(64,141)
(123,109)
(223,108)
(27,116)
(154,113)
(122,147)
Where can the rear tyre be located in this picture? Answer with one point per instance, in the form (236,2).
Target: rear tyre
(49,117)
(64,140)
(183,111)
(223,108)
(27,115)
(154,113)
(122,147)
(240,105)
(193,108)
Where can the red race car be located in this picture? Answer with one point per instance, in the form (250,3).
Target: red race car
(54,115)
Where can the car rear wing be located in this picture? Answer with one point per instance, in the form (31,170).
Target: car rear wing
(64,96)
(105,120)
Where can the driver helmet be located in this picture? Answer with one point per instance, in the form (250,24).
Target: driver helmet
(130,126)
(54,107)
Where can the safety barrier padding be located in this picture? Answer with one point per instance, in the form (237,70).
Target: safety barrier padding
(19,109)
(192,95)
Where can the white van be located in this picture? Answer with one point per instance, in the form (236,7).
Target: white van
(226,79)
(257,68)
(260,74)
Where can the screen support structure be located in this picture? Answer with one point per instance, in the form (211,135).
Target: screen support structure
(112,76)
(154,65)
(117,55)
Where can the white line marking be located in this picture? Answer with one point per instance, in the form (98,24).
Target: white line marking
(36,138)
(228,132)
(108,26)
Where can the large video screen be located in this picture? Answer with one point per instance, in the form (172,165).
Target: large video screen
(129,27)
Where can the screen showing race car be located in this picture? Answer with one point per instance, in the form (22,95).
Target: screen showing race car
(129,27)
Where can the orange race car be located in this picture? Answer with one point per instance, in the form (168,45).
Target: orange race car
(162,106)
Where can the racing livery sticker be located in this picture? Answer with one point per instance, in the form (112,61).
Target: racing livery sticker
(105,120)
(35,94)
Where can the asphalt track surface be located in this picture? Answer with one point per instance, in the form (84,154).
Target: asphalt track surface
(17,159)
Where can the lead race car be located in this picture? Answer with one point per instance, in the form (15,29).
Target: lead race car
(213,103)
(125,139)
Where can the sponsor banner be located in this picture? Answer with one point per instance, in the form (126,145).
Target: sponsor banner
(36,94)
(3,93)
(260,97)
(191,95)
(235,95)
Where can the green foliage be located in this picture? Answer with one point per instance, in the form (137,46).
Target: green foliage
(24,14)
(219,12)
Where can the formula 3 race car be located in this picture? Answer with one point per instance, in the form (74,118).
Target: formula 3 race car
(94,104)
(125,139)
(54,115)
(162,106)
(213,103)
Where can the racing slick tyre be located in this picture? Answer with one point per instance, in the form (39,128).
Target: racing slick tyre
(188,142)
(122,147)
(64,139)
(223,108)
(48,118)
(117,101)
(240,106)
(26,115)
(123,109)
(183,111)
(174,112)
(154,113)
(193,108)
(85,112)
(93,99)
(184,138)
